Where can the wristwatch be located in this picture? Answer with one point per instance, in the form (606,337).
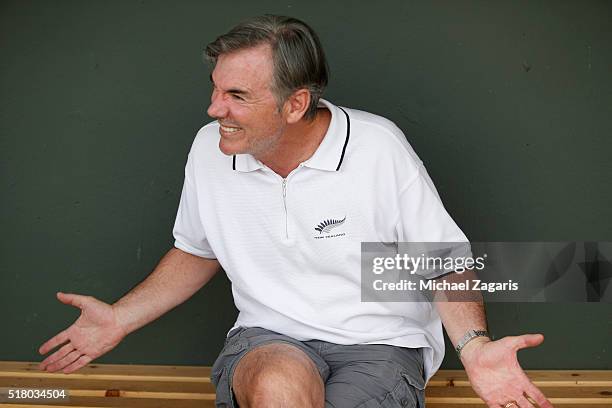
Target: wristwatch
(469,336)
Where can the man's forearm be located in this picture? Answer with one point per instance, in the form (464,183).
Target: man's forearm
(175,279)
(460,316)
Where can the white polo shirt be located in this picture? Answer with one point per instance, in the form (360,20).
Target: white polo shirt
(291,247)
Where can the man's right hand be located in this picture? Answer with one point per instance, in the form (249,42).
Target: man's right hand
(94,333)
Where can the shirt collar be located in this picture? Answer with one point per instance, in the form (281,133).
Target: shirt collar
(328,156)
(245,163)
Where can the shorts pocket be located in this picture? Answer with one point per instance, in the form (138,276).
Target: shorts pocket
(418,386)
(223,399)
(234,345)
(409,393)
(222,370)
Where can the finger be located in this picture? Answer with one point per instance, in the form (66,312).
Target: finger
(72,299)
(66,361)
(528,340)
(52,343)
(524,403)
(58,355)
(534,393)
(80,363)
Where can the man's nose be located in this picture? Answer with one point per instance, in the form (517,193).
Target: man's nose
(218,108)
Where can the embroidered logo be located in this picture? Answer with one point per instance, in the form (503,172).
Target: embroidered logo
(326,226)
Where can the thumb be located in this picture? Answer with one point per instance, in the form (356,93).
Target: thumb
(72,299)
(528,340)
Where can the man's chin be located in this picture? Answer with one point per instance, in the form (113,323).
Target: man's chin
(230,149)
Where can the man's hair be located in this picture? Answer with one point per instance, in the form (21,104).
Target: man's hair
(297,54)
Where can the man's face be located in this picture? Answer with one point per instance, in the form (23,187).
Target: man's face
(243,103)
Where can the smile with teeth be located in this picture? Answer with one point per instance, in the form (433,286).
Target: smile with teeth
(229,129)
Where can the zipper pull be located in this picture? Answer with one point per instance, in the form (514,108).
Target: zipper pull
(284,187)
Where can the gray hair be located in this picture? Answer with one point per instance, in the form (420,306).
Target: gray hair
(297,54)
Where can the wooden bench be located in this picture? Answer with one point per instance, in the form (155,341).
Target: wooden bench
(143,386)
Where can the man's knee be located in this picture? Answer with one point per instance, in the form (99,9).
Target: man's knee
(277,374)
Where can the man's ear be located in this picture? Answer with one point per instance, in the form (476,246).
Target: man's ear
(297,105)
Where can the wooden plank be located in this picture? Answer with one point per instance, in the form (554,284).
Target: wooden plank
(591,392)
(71,383)
(604,394)
(583,396)
(112,371)
(541,378)
(117,402)
(481,404)
(462,402)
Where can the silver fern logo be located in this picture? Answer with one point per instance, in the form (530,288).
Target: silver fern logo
(328,225)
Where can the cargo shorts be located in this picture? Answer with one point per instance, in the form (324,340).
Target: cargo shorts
(355,376)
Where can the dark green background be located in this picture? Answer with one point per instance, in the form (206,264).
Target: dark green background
(507,103)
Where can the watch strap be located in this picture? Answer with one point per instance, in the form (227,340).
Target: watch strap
(469,336)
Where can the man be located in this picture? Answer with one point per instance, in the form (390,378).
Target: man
(280,191)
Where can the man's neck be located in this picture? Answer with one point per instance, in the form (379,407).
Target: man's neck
(298,144)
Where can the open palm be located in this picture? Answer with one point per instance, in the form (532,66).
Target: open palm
(94,333)
(497,377)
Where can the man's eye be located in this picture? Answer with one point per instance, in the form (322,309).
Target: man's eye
(238,97)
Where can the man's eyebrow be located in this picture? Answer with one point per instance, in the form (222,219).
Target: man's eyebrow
(236,91)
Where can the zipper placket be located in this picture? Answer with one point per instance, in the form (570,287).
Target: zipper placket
(284,186)
(285,205)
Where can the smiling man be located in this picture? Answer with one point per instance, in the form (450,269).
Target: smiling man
(280,190)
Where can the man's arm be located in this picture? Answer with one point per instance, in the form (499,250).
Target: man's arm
(492,366)
(102,326)
(175,279)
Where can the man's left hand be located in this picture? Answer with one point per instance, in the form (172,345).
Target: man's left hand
(495,374)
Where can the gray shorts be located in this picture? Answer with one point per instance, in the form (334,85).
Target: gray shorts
(362,375)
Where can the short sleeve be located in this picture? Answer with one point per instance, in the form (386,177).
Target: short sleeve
(189,234)
(424,225)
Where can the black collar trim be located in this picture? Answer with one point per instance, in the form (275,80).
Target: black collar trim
(348,133)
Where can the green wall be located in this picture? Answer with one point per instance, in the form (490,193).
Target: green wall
(507,103)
